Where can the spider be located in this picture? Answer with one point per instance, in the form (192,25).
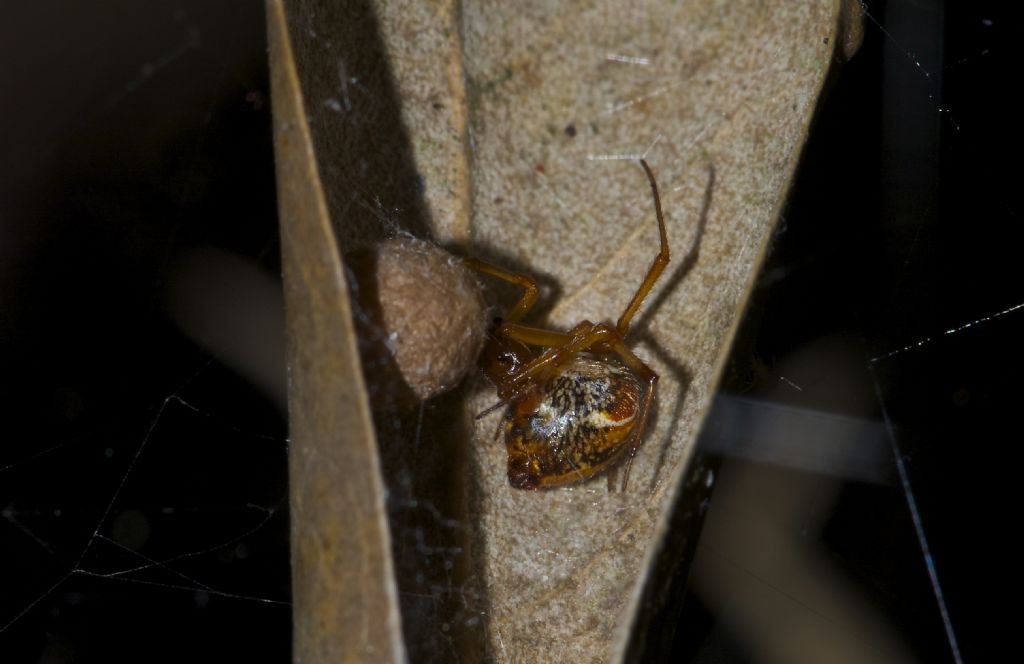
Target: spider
(577,401)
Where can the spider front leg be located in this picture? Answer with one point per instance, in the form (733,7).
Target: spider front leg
(510,364)
(657,266)
(559,345)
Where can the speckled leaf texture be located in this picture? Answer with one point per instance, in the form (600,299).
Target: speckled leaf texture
(522,122)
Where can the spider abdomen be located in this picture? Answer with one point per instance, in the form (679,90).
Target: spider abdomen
(572,426)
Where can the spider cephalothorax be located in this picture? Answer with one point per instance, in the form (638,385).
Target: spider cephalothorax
(579,405)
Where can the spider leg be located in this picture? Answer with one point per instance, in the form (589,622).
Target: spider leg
(657,267)
(646,374)
(561,346)
(530,290)
(540,368)
(534,336)
(497,429)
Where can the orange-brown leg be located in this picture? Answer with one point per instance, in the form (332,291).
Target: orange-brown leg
(559,345)
(530,290)
(647,374)
(657,267)
(534,336)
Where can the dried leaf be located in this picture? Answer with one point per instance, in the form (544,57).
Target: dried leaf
(340,536)
(505,129)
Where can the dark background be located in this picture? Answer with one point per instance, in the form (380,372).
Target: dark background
(901,231)
(138,153)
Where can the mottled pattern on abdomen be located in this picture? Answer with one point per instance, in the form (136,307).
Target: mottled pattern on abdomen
(573,426)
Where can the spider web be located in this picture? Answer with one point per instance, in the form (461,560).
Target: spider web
(142,483)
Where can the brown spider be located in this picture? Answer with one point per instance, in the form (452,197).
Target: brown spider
(577,407)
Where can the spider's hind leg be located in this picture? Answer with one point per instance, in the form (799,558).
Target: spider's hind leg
(648,375)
